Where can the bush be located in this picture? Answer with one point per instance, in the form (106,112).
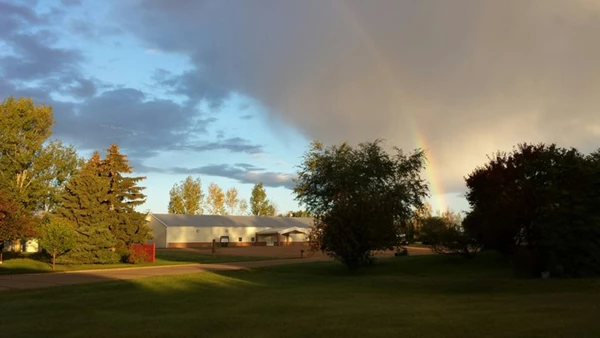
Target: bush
(105,256)
(137,257)
(446,237)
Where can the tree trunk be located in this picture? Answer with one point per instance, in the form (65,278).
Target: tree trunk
(53,260)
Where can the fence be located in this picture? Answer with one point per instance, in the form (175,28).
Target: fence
(149,250)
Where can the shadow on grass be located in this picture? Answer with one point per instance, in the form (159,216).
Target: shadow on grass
(430,296)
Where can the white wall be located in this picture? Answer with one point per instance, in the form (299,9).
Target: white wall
(31,245)
(183,234)
(159,232)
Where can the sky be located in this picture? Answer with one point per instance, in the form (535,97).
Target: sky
(233,92)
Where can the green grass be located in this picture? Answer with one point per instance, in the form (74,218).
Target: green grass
(36,262)
(420,296)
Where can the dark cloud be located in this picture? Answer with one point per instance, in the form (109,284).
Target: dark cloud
(126,116)
(243,173)
(12,16)
(34,59)
(462,78)
(247,117)
(235,144)
(83,88)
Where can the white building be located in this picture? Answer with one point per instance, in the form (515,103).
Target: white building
(180,231)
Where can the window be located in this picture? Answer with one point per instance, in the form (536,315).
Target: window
(240,239)
(252,239)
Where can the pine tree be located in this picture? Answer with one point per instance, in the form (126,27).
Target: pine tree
(126,224)
(85,207)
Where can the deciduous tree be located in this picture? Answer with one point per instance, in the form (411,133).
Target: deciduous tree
(15,222)
(243,207)
(187,197)
(542,199)
(32,171)
(232,200)
(359,197)
(259,204)
(215,200)
(57,237)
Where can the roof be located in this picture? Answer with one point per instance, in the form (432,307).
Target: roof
(274,231)
(233,221)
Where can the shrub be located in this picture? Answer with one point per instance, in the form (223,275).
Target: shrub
(444,236)
(137,257)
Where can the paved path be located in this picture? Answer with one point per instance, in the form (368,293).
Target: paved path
(41,280)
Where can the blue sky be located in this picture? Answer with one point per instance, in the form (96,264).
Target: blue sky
(233,91)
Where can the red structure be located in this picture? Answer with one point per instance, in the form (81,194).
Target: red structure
(148,250)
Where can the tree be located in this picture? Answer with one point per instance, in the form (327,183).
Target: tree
(232,200)
(359,197)
(215,200)
(540,199)
(127,225)
(32,170)
(298,213)
(56,164)
(446,235)
(57,237)
(15,223)
(187,198)
(85,206)
(259,204)
(412,228)
(243,207)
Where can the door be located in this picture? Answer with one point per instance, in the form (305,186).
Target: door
(270,241)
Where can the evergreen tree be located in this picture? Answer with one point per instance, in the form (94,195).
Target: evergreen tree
(84,205)
(126,224)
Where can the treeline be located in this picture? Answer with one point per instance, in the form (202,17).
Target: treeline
(537,205)
(81,208)
(188,198)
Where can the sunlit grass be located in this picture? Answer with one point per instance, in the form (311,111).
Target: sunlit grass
(421,296)
(36,263)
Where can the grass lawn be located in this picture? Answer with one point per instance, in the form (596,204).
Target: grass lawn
(35,263)
(420,296)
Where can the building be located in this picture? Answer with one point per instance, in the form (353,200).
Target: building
(181,231)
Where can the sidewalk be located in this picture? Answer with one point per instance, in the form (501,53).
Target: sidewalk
(41,280)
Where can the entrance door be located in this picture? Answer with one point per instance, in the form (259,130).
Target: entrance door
(270,241)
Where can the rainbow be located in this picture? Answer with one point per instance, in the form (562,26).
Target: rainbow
(383,68)
(435,185)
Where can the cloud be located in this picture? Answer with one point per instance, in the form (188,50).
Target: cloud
(463,78)
(93,30)
(33,59)
(241,172)
(126,116)
(71,2)
(247,117)
(235,144)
